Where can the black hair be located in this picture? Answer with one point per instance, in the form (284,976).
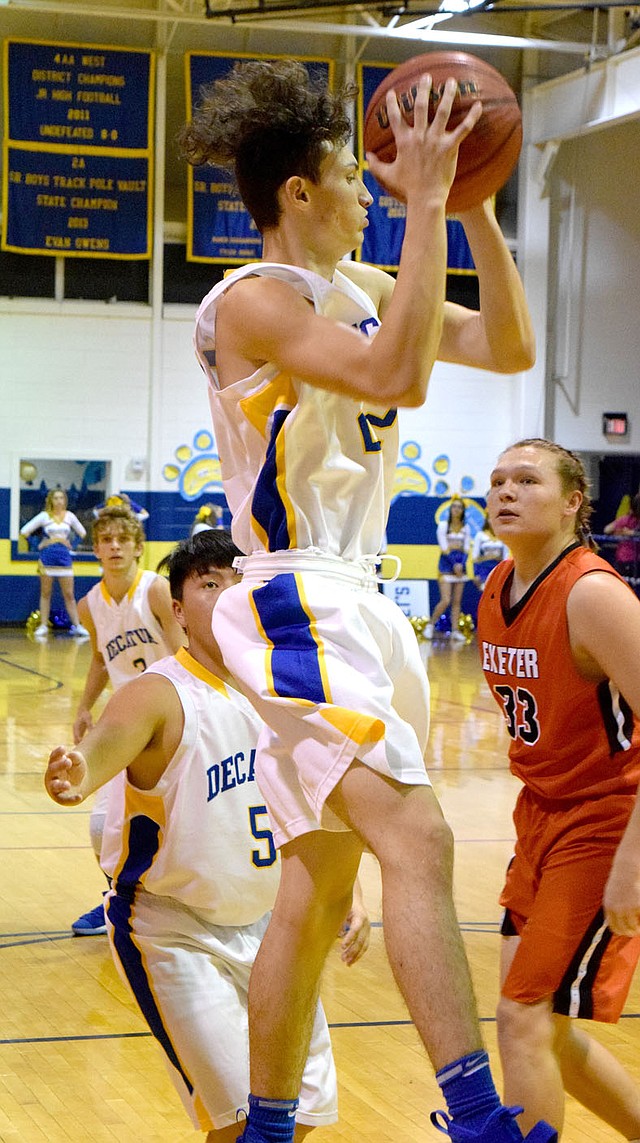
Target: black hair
(266,121)
(195,556)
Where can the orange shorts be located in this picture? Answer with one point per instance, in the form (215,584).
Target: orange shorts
(553,902)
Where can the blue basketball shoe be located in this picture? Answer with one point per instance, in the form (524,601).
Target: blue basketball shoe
(91,924)
(500,1127)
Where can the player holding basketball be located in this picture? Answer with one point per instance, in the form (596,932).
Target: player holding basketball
(304,404)
(194,869)
(559,634)
(130,620)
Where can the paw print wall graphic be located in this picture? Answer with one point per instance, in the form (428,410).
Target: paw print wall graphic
(198,467)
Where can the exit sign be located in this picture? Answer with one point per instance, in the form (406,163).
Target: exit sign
(615,424)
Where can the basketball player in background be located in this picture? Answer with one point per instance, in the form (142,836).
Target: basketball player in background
(130,620)
(195,868)
(559,634)
(304,403)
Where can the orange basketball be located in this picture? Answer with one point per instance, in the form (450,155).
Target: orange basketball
(489,153)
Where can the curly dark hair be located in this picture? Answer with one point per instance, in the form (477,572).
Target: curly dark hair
(573,477)
(265,121)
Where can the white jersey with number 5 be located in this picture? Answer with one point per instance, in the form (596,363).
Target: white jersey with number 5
(302,467)
(201,836)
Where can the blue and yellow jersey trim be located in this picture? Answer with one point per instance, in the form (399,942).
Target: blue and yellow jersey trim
(195,668)
(109,600)
(295,664)
(273,515)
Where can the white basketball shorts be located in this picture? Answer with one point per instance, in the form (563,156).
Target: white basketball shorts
(333,668)
(190,980)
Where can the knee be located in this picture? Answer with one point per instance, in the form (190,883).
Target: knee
(316,903)
(524,1027)
(418,838)
(311,926)
(437,841)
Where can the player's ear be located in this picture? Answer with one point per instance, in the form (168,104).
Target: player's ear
(574,502)
(179,613)
(295,190)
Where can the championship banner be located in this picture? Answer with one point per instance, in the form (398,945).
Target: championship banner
(78,137)
(219,228)
(385,232)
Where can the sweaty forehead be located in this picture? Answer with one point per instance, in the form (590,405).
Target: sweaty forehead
(526,457)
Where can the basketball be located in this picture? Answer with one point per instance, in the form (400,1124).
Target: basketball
(489,153)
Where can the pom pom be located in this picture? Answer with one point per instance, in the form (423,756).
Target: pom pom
(32,622)
(466,626)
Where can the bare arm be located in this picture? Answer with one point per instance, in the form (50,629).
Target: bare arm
(263,320)
(604,627)
(500,335)
(96,680)
(139,730)
(162,608)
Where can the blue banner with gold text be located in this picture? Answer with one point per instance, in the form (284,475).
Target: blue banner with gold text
(77,150)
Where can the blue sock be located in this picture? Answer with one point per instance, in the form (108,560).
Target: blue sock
(270,1120)
(468,1087)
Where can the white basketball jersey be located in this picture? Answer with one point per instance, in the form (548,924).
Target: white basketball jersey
(301,467)
(128,635)
(201,835)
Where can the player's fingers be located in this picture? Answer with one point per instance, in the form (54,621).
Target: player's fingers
(355,950)
(59,759)
(62,793)
(445,103)
(57,784)
(57,752)
(422,103)
(359,946)
(393,111)
(355,941)
(468,123)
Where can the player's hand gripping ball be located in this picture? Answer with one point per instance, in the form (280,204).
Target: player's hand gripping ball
(489,153)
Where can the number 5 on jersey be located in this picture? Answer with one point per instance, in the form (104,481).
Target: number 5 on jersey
(267,855)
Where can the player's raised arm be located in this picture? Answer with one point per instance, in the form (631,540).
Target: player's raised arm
(263,320)
(499,336)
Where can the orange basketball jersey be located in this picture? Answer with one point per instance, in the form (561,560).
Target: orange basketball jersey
(570,738)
